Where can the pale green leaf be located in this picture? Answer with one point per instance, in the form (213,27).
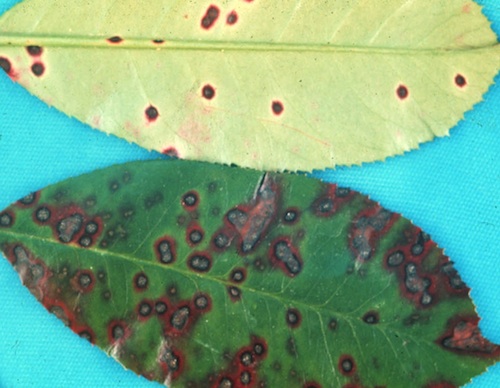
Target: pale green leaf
(335,66)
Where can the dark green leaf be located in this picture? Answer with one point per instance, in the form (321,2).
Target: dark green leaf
(194,273)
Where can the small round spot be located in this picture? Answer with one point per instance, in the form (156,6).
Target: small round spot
(195,236)
(234,293)
(38,69)
(232,18)
(5,65)
(291,216)
(259,349)
(226,382)
(332,325)
(460,81)
(201,302)
(221,241)
(277,107)
(158,41)
(200,262)
(115,39)
(238,275)
(34,51)
(371,318)
(172,290)
(151,113)
(293,318)
(417,249)
(6,220)
(190,200)
(347,365)
(114,186)
(208,92)
(325,206)
(395,259)
(85,241)
(246,358)
(85,280)
(28,199)
(245,378)
(402,92)
(141,281)
(86,334)
(91,228)
(117,331)
(161,307)
(145,309)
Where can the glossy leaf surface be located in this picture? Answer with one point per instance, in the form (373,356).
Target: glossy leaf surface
(262,84)
(203,275)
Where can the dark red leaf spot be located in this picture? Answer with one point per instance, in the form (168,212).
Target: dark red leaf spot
(144,309)
(371,317)
(171,151)
(34,51)
(441,384)
(141,282)
(194,234)
(234,293)
(285,256)
(118,331)
(6,219)
(460,81)
(87,334)
(208,92)
(165,250)
(200,262)
(190,200)
(38,69)
(180,318)
(151,113)
(346,365)
(291,216)
(402,92)
(238,275)
(5,65)
(210,17)
(42,214)
(277,107)
(293,318)
(84,281)
(312,384)
(332,325)
(161,306)
(29,199)
(172,362)
(202,302)
(232,18)
(115,39)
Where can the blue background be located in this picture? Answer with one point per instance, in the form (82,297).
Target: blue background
(450,188)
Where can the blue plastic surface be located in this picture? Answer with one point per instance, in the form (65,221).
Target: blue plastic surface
(450,188)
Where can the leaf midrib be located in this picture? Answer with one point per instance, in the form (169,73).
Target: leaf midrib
(87,42)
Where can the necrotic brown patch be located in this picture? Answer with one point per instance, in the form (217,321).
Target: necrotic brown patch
(151,113)
(210,17)
(34,51)
(5,65)
(38,69)
(232,18)
(115,39)
(208,92)
(277,107)
(460,81)
(402,92)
